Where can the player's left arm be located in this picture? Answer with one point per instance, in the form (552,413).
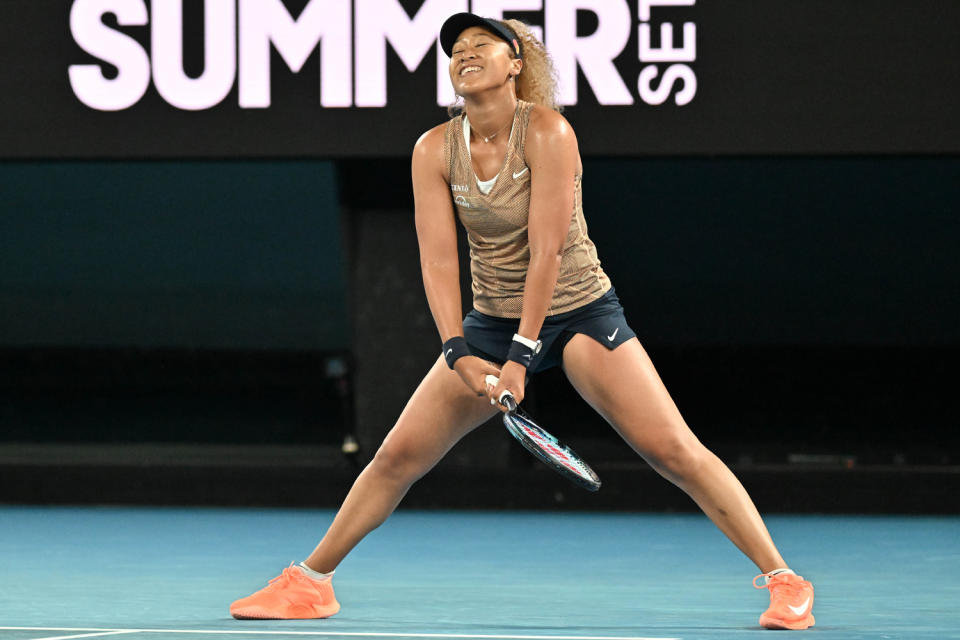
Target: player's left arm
(551,153)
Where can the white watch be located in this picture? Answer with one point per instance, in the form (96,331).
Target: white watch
(534,345)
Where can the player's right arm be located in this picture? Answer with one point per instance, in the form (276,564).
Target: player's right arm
(439,263)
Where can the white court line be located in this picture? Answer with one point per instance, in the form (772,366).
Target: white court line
(346,634)
(86,635)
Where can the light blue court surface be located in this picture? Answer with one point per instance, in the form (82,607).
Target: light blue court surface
(169,574)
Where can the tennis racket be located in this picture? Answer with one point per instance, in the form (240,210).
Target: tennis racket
(544,446)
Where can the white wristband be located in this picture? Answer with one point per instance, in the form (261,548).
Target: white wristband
(530,344)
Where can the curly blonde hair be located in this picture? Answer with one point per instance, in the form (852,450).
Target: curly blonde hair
(537,81)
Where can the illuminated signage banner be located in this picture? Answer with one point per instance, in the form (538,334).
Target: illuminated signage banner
(340,78)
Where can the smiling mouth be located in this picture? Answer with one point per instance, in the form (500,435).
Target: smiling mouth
(470,69)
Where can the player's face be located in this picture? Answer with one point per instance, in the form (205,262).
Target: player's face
(480,60)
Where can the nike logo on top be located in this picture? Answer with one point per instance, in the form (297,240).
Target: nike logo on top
(613,335)
(517,174)
(449,351)
(801,609)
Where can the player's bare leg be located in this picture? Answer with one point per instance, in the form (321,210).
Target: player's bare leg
(441,411)
(623,386)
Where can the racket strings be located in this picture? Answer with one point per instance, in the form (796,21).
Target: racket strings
(553,448)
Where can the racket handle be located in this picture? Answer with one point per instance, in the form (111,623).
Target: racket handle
(506,398)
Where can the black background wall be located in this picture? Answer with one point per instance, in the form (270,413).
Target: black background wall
(784,245)
(800,310)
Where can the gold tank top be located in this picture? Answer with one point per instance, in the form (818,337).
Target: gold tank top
(496,225)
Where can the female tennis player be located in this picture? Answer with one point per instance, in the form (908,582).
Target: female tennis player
(508,166)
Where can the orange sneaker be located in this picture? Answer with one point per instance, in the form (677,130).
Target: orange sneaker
(791,601)
(291,595)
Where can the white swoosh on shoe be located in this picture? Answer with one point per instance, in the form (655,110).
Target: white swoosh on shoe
(802,609)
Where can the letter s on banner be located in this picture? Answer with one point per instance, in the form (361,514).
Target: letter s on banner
(673,73)
(87,80)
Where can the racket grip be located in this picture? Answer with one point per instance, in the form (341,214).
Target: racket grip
(506,398)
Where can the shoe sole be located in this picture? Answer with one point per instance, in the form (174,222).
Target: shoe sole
(306,613)
(774,623)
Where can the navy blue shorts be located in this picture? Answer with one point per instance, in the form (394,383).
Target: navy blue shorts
(489,337)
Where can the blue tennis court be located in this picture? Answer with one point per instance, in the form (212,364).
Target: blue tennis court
(155,573)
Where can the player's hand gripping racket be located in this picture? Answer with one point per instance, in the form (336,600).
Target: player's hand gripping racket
(544,446)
